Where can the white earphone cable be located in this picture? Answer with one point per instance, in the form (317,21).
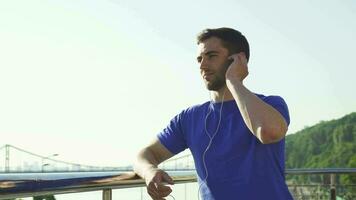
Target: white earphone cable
(210,141)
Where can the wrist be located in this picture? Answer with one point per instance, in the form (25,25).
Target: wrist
(232,83)
(149,170)
(234,78)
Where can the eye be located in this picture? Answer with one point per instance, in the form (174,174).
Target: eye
(199,59)
(212,56)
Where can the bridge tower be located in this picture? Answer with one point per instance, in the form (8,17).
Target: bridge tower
(7,158)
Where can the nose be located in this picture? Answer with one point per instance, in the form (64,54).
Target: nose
(203,64)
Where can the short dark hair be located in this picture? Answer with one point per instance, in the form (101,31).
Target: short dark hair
(232,39)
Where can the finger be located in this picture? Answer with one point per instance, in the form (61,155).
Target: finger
(168,179)
(159,191)
(151,188)
(239,57)
(164,190)
(242,54)
(165,194)
(155,197)
(231,57)
(234,57)
(243,58)
(157,178)
(154,186)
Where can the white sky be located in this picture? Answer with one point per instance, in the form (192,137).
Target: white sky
(94,81)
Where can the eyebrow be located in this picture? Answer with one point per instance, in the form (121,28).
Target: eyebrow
(208,53)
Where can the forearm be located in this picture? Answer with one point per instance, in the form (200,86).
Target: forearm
(148,158)
(146,167)
(265,122)
(145,161)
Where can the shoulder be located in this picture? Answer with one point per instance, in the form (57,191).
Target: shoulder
(278,103)
(272,99)
(191,112)
(196,108)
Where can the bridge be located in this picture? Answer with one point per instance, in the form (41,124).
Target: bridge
(49,176)
(24,161)
(33,162)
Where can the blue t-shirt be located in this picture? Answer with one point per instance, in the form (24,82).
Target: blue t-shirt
(239,165)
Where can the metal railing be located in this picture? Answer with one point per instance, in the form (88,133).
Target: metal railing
(326,189)
(17,185)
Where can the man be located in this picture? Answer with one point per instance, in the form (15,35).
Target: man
(236,139)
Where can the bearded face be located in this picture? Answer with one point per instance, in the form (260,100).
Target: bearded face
(216,80)
(212,58)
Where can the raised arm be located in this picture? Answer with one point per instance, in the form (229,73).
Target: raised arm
(265,122)
(146,167)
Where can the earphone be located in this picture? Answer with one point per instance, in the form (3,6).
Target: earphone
(211,138)
(210,141)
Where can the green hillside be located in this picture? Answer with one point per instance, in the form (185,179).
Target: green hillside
(326,144)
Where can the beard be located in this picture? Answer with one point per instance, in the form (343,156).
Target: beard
(217,81)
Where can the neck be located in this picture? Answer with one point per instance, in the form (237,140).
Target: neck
(222,94)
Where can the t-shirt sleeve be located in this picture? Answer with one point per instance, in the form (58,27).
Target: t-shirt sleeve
(173,136)
(280,105)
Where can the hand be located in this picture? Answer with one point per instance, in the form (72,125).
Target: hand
(238,69)
(154,180)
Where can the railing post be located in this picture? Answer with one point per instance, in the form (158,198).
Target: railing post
(107,194)
(141,193)
(185,191)
(332,187)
